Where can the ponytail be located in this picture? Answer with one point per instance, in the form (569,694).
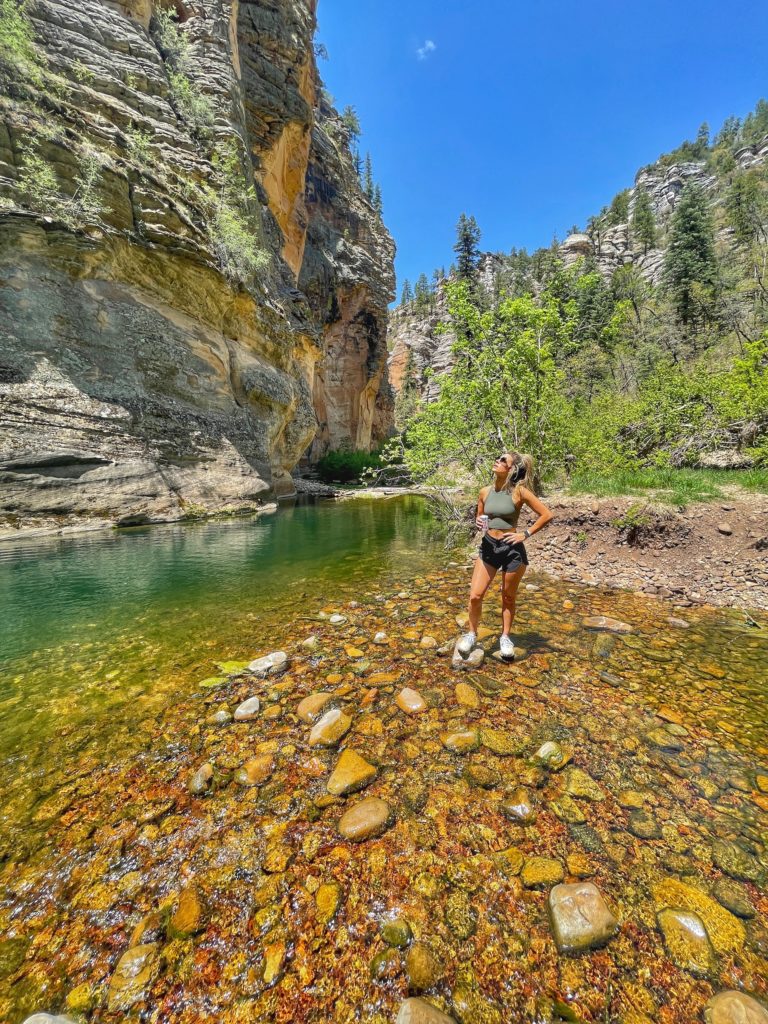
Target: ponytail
(522,473)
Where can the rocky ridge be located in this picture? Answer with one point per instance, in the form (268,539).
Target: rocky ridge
(152,364)
(412,334)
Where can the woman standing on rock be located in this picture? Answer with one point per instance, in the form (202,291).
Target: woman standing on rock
(502,545)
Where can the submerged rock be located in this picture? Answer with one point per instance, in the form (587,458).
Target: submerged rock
(580,784)
(311,708)
(460,915)
(467,695)
(580,917)
(422,967)
(725,932)
(734,1008)
(136,970)
(190,915)
(270,665)
(736,862)
(366,820)
(201,780)
(351,773)
(329,729)
(327,900)
(418,1011)
(500,742)
(247,710)
(519,806)
(552,755)
(733,897)
(644,825)
(461,741)
(255,771)
(687,941)
(541,872)
(607,623)
(396,933)
(410,701)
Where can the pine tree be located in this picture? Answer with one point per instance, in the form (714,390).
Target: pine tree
(422,295)
(357,163)
(690,268)
(467,247)
(351,122)
(368,177)
(643,221)
(406,296)
(377,205)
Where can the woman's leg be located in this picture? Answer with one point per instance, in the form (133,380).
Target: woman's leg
(482,577)
(510,583)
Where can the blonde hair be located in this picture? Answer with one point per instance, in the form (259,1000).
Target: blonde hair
(524,462)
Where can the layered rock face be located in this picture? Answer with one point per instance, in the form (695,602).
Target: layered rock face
(615,246)
(187,263)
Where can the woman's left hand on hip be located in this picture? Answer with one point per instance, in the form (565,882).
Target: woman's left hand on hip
(513,538)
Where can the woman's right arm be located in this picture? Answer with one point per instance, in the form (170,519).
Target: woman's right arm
(480,506)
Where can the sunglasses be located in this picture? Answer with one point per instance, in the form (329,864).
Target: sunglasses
(505,461)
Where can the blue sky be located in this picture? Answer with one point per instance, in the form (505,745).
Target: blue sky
(530,116)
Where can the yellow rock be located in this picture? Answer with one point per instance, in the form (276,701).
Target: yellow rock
(351,773)
(383,677)
(334,677)
(467,695)
(327,899)
(579,865)
(190,915)
(274,958)
(726,932)
(428,642)
(354,652)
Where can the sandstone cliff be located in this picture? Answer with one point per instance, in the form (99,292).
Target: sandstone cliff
(194,287)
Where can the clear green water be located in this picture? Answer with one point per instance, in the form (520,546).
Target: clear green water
(99,631)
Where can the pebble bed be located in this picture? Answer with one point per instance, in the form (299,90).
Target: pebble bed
(355,825)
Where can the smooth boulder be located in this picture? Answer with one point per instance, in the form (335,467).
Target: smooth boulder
(580,917)
(329,729)
(366,820)
(419,1011)
(733,1007)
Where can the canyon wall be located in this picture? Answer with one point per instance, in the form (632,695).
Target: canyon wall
(194,287)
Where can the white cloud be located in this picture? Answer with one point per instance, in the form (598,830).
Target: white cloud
(424,51)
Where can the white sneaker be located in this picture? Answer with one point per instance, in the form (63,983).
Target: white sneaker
(506,647)
(467,643)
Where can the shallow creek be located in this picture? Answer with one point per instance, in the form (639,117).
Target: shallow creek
(162,861)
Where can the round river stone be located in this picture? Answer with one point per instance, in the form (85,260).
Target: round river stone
(410,701)
(418,1011)
(580,917)
(366,820)
(734,1008)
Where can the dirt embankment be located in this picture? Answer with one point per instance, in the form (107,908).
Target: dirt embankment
(706,554)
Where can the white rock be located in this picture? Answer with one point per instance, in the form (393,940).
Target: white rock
(269,665)
(247,710)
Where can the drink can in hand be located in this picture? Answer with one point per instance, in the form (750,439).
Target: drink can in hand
(483,523)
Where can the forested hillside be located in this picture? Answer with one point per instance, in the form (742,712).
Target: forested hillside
(638,341)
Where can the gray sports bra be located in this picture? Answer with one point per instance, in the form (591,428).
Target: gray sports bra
(501,509)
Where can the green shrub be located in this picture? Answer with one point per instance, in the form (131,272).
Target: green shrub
(139,144)
(191,105)
(345,465)
(18,54)
(43,193)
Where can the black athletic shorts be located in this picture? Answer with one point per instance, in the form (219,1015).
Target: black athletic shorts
(501,554)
